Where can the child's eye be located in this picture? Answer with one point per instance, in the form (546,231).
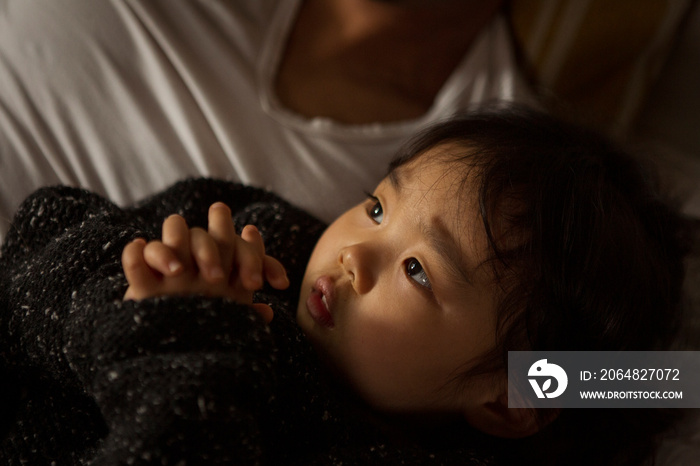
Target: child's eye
(415,271)
(375,212)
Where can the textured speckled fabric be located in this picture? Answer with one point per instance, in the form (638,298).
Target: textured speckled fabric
(91,379)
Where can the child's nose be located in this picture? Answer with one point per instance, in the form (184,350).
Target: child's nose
(356,261)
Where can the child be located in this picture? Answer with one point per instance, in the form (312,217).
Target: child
(496,231)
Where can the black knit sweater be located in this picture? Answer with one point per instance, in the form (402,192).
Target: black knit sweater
(91,379)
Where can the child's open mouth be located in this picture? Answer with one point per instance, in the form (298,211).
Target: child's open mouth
(318,302)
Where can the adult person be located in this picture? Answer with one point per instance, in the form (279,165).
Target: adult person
(307,97)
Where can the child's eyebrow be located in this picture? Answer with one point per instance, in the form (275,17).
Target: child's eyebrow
(442,242)
(395,179)
(439,238)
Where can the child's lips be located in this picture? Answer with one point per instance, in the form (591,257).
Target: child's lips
(320,302)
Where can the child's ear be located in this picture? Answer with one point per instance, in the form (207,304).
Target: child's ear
(493,417)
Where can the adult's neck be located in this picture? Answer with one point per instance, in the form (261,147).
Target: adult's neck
(401,30)
(401,51)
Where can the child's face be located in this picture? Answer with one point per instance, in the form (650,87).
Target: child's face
(394,297)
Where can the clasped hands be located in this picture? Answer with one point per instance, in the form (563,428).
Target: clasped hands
(193,261)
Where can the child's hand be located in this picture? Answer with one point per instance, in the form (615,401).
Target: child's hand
(216,262)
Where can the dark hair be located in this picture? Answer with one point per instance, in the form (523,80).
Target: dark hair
(586,252)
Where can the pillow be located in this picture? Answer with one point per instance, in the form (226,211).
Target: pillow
(596,58)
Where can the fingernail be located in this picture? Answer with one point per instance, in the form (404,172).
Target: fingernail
(174,266)
(257,278)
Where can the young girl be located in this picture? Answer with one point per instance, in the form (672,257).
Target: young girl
(492,232)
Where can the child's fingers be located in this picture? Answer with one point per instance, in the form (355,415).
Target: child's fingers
(132,260)
(176,235)
(162,258)
(137,272)
(205,253)
(264,310)
(275,274)
(222,229)
(248,260)
(251,235)
(273,270)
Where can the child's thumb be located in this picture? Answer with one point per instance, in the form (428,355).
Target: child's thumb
(264,310)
